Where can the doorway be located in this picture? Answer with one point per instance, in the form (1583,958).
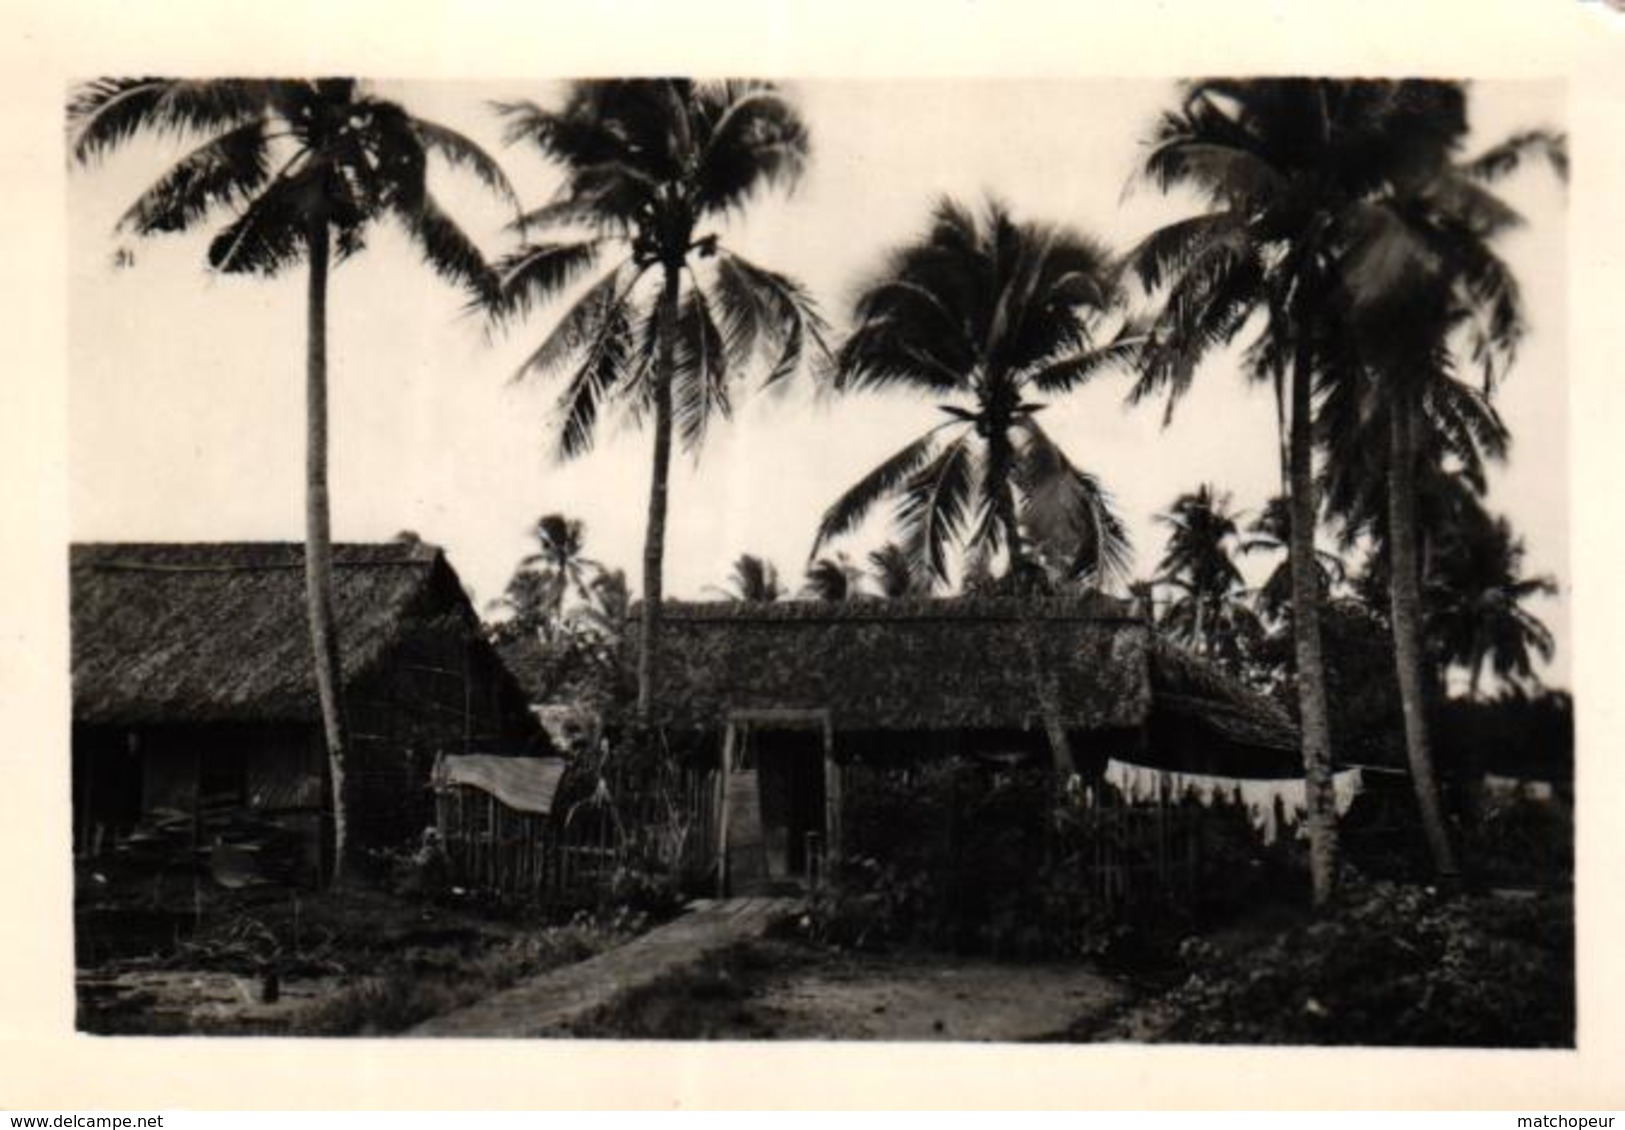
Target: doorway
(780,788)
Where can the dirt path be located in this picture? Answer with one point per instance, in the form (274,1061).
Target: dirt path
(956,1000)
(549,1005)
(775,990)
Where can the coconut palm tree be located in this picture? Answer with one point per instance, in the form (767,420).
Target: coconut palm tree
(648,164)
(609,602)
(985,314)
(302,169)
(561,555)
(529,606)
(1424,287)
(1287,168)
(1475,596)
(753,580)
(1208,614)
(833,579)
(1271,532)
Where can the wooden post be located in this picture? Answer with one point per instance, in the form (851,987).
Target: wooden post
(832,798)
(728,739)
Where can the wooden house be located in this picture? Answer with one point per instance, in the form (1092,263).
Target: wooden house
(194,698)
(781,698)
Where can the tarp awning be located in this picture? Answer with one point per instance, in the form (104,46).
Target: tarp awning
(525,784)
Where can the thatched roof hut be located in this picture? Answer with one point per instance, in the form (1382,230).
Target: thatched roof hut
(217,631)
(966,664)
(194,690)
(971,663)
(796,693)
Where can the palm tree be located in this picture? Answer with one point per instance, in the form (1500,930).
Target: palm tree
(1197,562)
(1475,596)
(753,580)
(562,556)
(1287,167)
(303,168)
(893,572)
(647,164)
(1423,284)
(1271,532)
(529,603)
(991,313)
(833,579)
(608,604)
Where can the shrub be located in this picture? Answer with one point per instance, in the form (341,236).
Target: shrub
(1392,964)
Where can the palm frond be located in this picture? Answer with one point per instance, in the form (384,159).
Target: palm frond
(449,250)
(935,507)
(271,232)
(1170,250)
(463,153)
(700,371)
(224,171)
(1507,157)
(1068,510)
(849,510)
(767,310)
(754,139)
(893,571)
(602,341)
(1063,374)
(535,273)
(109,112)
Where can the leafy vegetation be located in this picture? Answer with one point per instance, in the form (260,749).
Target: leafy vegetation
(1390,965)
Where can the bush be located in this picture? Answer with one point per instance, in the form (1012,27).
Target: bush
(1392,964)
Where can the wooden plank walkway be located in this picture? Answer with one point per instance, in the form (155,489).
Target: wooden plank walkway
(550,1003)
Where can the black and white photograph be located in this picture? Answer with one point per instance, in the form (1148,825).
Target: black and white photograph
(669,558)
(681,556)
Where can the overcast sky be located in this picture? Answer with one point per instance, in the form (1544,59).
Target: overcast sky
(186,389)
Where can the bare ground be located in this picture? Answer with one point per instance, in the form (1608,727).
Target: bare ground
(789,991)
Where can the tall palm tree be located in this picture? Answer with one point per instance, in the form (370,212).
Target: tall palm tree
(1424,285)
(1198,563)
(303,169)
(648,164)
(753,580)
(991,314)
(1286,167)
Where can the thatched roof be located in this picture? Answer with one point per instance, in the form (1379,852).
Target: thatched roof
(193,632)
(1186,686)
(960,664)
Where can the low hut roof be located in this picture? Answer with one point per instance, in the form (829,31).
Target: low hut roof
(192,632)
(961,664)
(1186,686)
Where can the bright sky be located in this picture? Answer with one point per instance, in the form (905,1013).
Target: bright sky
(186,389)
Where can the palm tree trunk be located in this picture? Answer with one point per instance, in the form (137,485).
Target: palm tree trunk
(324,644)
(1314,717)
(1004,499)
(1404,590)
(654,541)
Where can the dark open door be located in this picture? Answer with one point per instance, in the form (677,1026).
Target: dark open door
(778,801)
